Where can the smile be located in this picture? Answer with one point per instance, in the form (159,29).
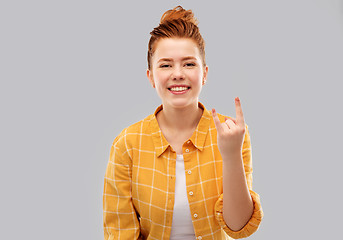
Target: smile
(179,90)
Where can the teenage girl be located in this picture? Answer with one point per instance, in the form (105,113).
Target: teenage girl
(183,172)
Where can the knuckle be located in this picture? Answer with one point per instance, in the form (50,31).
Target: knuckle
(242,130)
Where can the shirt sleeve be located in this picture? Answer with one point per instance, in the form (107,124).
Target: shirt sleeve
(255,220)
(119,216)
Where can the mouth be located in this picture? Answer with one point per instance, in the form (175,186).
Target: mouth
(179,89)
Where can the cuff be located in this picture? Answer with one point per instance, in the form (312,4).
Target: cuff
(250,227)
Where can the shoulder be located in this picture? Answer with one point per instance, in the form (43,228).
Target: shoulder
(132,132)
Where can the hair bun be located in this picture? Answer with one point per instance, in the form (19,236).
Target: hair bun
(179,13)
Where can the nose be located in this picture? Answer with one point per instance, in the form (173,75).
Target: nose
(178,73)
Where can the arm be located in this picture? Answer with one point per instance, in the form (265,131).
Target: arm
(120,218)
(238,204)
(238,209)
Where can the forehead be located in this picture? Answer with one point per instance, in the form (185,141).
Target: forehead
(176,48)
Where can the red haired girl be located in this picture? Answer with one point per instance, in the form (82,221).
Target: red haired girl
(184,172)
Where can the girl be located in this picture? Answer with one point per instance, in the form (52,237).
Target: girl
(183,172)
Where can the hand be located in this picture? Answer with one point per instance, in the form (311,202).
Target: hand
(230,134)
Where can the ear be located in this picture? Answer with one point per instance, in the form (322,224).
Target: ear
(150,77)
(204,79)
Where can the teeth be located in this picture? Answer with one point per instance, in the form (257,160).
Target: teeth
(179,88)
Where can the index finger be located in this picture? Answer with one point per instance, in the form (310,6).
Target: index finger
(239,112)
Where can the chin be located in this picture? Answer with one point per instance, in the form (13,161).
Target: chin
(181,103)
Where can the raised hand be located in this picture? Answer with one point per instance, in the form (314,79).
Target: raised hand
(230,134)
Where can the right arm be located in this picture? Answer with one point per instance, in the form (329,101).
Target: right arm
(120,218)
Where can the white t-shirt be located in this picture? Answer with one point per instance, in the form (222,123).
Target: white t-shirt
(182,226)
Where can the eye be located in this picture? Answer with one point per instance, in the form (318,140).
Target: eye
(190,64)
(164,65)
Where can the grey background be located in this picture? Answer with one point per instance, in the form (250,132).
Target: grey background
(73,76)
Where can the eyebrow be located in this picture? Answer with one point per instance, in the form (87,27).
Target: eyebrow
(170,59)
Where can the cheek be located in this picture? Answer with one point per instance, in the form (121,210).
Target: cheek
(161,78)
(197,76)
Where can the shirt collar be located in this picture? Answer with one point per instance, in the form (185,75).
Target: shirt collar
(198,137)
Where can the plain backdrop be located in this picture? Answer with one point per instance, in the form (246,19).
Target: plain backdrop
(73,75)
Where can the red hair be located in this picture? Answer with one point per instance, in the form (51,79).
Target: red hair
(176,23)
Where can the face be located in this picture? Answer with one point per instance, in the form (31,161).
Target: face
(177,72)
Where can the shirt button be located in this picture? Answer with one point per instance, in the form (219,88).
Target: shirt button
(199,237)
(190,193)
(187,150)
(195,215)
(189,172)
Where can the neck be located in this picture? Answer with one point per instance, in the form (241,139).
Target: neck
(181,119)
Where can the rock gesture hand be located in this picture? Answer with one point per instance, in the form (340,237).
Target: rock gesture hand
(230,134)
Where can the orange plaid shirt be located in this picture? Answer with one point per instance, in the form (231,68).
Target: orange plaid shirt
(139,186)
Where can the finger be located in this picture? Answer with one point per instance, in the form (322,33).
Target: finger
(239,112)
(230,123)
(234,120)
(216,120)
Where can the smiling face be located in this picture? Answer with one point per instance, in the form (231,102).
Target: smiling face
(177,72)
